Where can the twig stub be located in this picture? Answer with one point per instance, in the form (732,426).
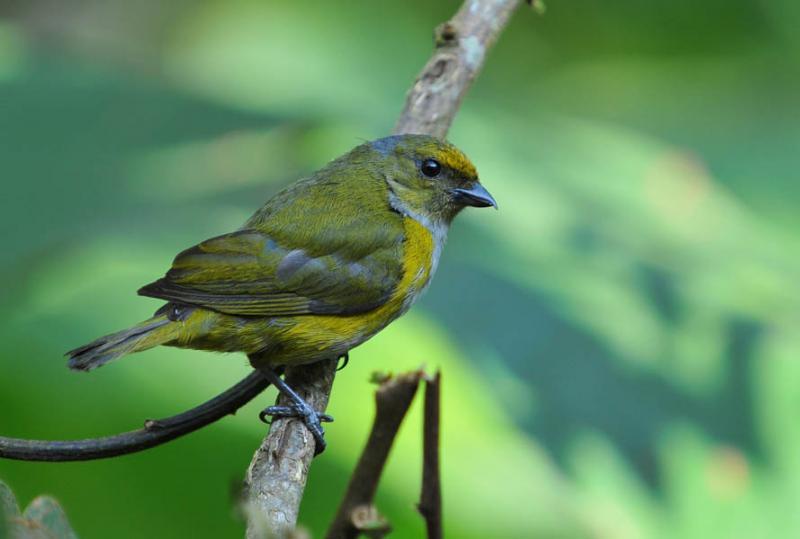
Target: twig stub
(367,520)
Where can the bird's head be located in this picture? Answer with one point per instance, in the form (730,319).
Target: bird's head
(429,177)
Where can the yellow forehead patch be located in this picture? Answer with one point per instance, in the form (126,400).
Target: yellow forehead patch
(454,159)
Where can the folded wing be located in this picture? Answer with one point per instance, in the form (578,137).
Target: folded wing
(251,273)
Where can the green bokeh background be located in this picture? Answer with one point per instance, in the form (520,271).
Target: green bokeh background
(619,343)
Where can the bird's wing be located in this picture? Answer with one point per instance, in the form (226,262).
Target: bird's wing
(252,273)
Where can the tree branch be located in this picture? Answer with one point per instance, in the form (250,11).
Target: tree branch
(431,105)
(392,400)
(461,47)
(430,499)
(155,431)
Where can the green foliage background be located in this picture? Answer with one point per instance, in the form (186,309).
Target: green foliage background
(619,342)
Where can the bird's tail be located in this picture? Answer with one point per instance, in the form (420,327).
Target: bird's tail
(150,333)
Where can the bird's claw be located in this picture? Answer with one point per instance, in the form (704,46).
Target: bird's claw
(344,359)
(311,419)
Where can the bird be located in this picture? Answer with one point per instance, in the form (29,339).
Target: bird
(321,267)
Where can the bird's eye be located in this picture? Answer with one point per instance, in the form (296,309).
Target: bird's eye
(431,168)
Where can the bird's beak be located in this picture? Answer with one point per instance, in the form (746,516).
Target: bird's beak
(476,196)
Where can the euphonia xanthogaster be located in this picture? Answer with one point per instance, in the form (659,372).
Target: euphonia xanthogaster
(323,266)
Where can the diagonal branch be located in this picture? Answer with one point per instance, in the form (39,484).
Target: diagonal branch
(392,400)
(461,47)
(431,105)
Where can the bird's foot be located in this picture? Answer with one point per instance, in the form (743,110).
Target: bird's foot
(298,408)
(302,410)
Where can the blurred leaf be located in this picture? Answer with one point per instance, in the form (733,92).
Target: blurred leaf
(43,518)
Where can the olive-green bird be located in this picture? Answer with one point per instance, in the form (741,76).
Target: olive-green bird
(323,266)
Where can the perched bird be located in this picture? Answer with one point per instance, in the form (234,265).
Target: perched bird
(323,266)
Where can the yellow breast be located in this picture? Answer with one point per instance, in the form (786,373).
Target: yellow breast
(420,255)
(336,334)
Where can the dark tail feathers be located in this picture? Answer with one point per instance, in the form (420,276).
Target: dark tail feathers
(148,334)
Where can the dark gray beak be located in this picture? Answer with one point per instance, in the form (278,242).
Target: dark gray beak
(476,196)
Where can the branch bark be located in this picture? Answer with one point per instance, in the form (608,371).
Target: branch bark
(278,472)
(431,105)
